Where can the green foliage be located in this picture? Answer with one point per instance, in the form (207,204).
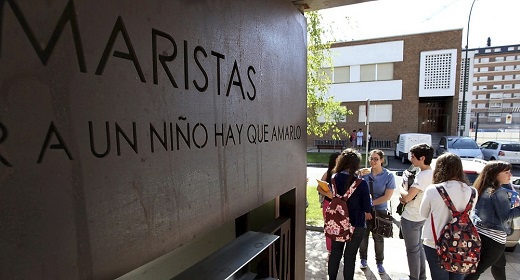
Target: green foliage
(314,215)
(323,113)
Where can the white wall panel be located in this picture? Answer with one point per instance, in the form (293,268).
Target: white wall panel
(382,90)
(368,54)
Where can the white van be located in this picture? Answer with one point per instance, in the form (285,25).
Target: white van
(406,140)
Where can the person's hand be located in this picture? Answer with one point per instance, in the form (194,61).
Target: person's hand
(368,216)
(364,171)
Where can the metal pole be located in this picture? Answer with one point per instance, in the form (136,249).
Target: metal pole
(367,122)
(465,86)
(476,127)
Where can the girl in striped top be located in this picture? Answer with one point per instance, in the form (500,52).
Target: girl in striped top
(493,209)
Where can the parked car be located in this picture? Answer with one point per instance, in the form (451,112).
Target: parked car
(406,140)
(501,150)
(462,146)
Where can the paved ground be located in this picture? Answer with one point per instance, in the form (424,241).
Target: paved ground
(395,263)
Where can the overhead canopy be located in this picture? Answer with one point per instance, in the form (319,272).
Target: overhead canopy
(313,5)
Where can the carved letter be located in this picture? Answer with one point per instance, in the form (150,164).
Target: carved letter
(235,83)
(3,136)
(61,145)
(163,58)
(68,15)
(119,27)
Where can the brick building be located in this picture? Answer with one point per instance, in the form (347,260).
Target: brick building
(411,81)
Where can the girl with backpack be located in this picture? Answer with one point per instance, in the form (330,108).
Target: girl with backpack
(359,207)
(450,175)
(492,211)
(324,200)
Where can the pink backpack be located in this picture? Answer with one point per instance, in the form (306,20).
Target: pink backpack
(337,222)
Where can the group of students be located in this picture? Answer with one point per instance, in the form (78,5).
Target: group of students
(423,206)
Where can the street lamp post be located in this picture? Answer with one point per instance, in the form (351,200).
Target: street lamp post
(465,85)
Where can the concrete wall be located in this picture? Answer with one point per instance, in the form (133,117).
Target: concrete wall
(129,128)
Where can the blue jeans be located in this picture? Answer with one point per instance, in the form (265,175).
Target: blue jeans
(491,255)
(436,271)
(412,234)
(349,252)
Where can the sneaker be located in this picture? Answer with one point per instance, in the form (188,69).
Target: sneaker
(380,268)
(363,264)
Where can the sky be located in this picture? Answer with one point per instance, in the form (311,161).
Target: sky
(497,19)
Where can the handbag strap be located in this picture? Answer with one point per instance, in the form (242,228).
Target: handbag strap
(371,184)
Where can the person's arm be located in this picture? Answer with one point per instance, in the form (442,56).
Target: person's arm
(389,191)
(386,197)
(425,207)
(324,176)
(365,203)
(407,196)
(502,206)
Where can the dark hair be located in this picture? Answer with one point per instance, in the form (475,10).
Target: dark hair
(449,167)
(380,153)
(332,164)
(488,177)
(423,150)
(349,161)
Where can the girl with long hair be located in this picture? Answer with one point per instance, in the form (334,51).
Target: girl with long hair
(448,174)
(358,205)
(492,211)
(324,200)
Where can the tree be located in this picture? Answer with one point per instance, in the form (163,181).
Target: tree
(323,113)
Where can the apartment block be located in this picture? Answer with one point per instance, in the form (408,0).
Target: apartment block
(494,88)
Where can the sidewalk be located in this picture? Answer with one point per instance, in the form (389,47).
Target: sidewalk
(395,262)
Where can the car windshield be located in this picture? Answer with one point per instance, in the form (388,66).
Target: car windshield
(462,143)
(511,147)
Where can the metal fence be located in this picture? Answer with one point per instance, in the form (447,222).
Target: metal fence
(341,144)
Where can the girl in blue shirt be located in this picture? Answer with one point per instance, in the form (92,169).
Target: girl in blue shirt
(384,186)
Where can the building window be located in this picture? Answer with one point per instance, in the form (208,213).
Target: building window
(490,114)
(484,60)
(341,74)
(495,105)
(368,72)
(385,71)
(437,71)
(499,58)
(510,58)
(495,96)
(326,74)
(378,113)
